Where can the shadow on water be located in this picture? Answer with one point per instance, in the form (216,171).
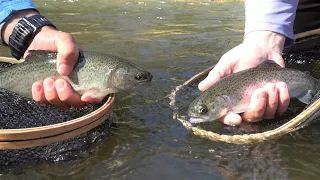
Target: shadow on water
(174,41)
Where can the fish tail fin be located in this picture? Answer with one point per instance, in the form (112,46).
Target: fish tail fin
(305,98)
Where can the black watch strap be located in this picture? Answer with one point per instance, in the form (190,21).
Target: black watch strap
(24,31)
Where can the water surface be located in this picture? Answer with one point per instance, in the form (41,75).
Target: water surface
(174,41)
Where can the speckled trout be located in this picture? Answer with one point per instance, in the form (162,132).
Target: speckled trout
(232,94)
(96,73)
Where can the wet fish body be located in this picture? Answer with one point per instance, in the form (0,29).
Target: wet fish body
(232,94)
(97,73)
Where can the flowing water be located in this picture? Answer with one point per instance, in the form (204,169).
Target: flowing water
(174,40)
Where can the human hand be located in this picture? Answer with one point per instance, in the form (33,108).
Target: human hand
(257,47)
(58,92)
(54,91)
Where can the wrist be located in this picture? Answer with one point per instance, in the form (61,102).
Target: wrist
(13,20)
(266,39)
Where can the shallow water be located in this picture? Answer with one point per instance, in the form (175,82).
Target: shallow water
(174,41)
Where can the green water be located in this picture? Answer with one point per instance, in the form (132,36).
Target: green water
(173,40)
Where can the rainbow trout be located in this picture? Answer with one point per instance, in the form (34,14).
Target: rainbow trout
(232,94)
(97,73)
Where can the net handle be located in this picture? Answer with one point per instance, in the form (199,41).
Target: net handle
(308,33)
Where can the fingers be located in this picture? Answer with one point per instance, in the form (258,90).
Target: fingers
(68,53)
(38,92)
(221,70)
(273,99)
(67,95)
(58,93)
(284,97)
(88,98)
(46,92)
(277,57)
(258,104)
(213,77)
(268,101)
(231,119)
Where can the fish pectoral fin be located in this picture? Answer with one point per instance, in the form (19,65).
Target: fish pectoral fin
(97,93)
(195,120)
(240,108)
(305,97)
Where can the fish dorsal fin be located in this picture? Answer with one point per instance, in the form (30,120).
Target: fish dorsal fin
(269,63)
(35,53)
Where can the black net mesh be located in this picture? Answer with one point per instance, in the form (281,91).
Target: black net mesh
(17,112)
(304,55)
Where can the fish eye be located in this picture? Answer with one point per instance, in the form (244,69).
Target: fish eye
(202,109)
(139,77)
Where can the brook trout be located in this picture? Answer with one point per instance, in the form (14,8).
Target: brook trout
(97,73)
(232,94)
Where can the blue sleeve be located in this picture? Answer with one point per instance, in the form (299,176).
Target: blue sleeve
(272,15)
(7,7)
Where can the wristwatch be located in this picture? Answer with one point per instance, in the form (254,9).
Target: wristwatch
(24,31)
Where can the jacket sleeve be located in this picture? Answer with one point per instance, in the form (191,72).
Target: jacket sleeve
(7,7)
(271,15)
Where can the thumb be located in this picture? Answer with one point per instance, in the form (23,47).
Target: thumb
(279,60)
(221,70)
(68,53)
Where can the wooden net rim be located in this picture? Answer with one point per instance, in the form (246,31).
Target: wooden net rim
(5,145)
(24,134)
